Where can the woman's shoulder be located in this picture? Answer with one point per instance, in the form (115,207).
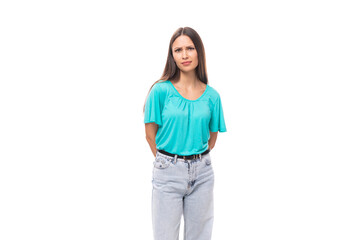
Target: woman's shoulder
(213,93)
(160,90)
(161,86)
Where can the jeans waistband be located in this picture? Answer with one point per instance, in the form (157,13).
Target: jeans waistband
(185,157)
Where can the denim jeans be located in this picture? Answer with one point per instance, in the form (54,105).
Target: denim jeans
(182,187)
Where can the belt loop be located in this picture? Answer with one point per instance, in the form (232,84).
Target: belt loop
(175,158)
(200,156)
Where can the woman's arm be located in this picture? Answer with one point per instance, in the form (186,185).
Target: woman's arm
(150,132)
(212,140)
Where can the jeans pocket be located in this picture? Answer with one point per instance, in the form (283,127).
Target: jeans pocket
(161,162)
(208,160)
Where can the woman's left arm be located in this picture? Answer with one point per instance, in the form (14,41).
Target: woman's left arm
(212,140)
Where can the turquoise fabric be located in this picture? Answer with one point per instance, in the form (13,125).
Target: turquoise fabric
(184,125)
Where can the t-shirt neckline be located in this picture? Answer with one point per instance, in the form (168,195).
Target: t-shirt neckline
(177,92)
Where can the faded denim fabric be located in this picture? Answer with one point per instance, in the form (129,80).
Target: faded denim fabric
(182,187)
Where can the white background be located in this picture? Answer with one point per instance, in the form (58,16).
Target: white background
(74,76)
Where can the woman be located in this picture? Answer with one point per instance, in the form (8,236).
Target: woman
(182,115)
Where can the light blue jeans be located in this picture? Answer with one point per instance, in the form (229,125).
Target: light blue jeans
(182,187)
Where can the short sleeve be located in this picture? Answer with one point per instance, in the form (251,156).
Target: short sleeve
(217,121)
(153,106)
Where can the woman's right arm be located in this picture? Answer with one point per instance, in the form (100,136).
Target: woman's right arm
(150,132)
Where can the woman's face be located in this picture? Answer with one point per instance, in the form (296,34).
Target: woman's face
(183,50)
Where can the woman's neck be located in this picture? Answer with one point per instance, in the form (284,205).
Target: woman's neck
(188,80)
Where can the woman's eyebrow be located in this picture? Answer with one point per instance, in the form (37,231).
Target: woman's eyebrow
(180,47)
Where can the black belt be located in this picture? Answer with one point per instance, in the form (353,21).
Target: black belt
(194,156)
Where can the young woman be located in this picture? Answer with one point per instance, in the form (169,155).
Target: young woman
(182,115)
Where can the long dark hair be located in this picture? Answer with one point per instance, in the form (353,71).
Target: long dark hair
(171,71)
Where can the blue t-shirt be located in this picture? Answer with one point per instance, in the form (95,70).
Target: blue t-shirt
(184,125)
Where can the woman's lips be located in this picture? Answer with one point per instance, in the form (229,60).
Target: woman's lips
(186,63)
